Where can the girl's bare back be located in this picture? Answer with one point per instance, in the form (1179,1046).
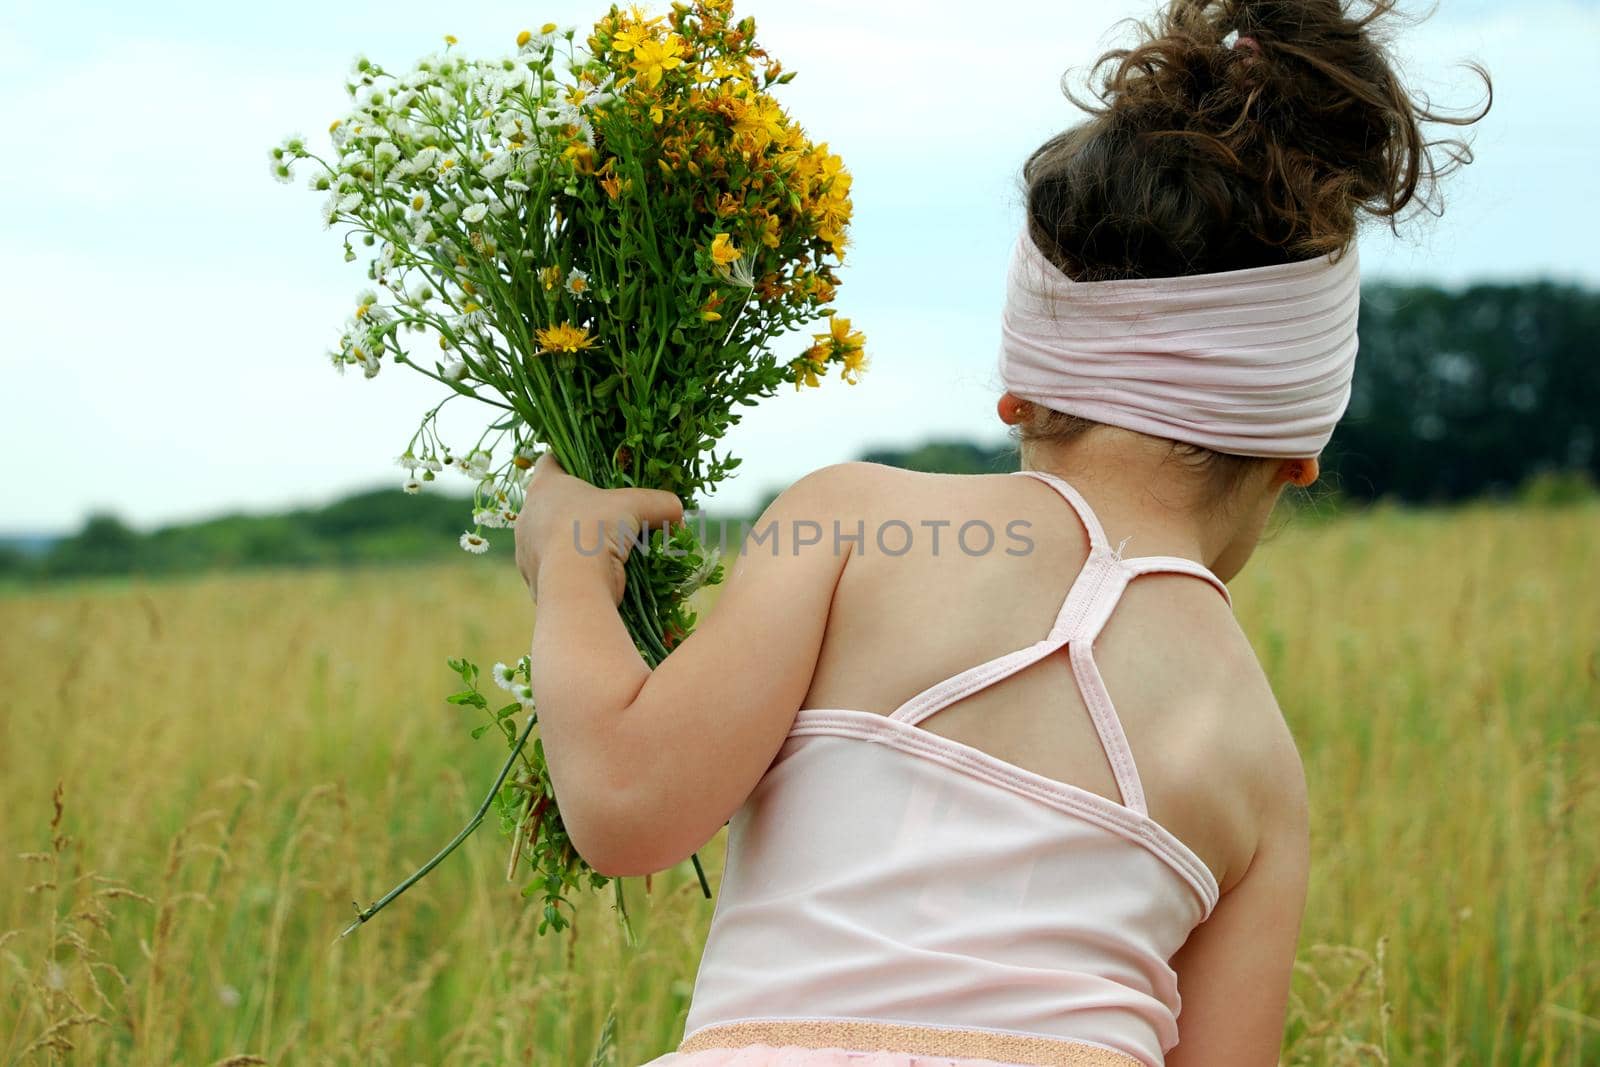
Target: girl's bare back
(919,600)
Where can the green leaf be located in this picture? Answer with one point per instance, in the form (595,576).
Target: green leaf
(478,731)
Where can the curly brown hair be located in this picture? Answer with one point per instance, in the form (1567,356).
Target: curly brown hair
(1199,157)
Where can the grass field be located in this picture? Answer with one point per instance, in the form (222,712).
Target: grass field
(198,777)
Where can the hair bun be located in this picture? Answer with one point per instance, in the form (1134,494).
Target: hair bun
(1238,133)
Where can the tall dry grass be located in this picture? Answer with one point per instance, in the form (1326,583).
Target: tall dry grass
(199,777)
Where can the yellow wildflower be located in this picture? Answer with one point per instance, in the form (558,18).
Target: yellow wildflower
(710,313)
(643,18)
(768,288)
(628,40)
(723,251)
(523,38)
(854,363)
(652,59)
(548,27)
(612,186)
(565,338)
(550,276)
(769,231)
(805,373)
(450,38)
(582,157)
(843,340)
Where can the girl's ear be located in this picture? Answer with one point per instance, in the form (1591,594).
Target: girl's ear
(1301,472)
(1012,409)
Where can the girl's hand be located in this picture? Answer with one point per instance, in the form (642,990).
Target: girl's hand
(566,522)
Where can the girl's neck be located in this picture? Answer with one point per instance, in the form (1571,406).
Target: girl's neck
(1139,489)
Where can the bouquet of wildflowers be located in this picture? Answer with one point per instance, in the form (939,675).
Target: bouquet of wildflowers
(602,241)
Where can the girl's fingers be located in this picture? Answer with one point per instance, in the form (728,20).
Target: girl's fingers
(545,464)
(654,507)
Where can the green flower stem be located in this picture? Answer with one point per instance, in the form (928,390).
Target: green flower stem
(364,915)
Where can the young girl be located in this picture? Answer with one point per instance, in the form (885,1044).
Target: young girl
(1006,782)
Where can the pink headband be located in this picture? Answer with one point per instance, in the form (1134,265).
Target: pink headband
(1254,362)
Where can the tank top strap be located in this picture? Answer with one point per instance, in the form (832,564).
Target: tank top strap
(1177,564)
(1091,522)
(1088,604)
(1082,602)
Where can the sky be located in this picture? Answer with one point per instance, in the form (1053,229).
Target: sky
(168,306)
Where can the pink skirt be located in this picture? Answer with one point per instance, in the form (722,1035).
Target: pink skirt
(800,1056)
(816,1042)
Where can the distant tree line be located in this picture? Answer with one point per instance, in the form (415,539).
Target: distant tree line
(1493,390)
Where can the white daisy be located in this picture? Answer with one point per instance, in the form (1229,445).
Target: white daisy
(475,213)
(504,676)
(524,694)
(498,166)
(454,371)
(577,282)
(409,462)
(491,519)
(474,543)
(558,114)
(412,486)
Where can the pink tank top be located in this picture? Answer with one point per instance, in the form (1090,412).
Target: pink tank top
(881,871)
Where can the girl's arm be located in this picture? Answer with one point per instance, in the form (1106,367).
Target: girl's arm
(647,766)
(1235,969)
